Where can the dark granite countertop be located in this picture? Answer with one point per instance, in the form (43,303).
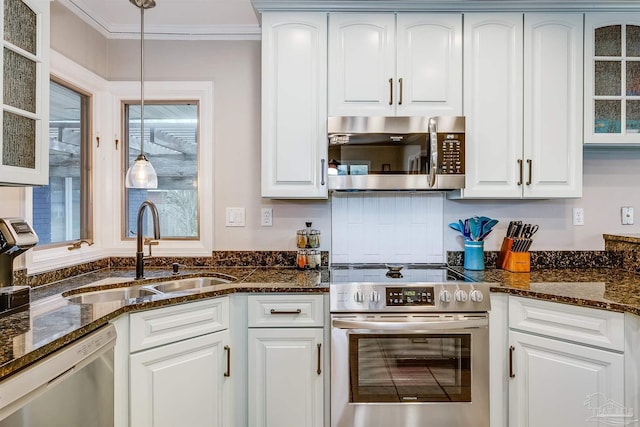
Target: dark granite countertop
(53,322)
(605,288)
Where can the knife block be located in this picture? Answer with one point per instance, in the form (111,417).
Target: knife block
(515,262)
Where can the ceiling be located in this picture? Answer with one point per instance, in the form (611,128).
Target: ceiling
(170,19)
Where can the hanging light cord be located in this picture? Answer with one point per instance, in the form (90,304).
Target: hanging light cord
(142,4)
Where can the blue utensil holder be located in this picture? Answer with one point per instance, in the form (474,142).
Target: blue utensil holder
(474,255)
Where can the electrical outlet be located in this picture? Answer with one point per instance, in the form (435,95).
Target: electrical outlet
(578,216)
(627,215)
(267,217)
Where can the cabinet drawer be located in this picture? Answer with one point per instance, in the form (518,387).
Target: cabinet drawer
(166,325)
(583,325)
(285,311)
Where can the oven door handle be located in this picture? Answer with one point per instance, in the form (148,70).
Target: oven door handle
(436,325)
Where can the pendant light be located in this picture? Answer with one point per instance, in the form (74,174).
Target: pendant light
(141,173)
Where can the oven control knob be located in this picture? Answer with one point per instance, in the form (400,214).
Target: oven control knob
(358,296)
(476,295)
(461,296)
(374,296)
(445,296)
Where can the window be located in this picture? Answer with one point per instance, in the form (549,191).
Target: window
(62,209)
(171,145)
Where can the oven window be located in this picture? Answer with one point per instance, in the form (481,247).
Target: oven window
(410,368)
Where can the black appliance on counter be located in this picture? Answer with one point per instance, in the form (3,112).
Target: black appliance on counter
(16,237)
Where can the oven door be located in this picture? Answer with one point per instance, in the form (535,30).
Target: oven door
(390,370)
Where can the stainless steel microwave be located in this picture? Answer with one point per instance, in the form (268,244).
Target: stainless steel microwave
(396,153)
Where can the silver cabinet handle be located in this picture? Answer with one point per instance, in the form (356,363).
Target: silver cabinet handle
(529,163)
(227,373)
(319,370)
(321,171)
(400,89)
(390,91)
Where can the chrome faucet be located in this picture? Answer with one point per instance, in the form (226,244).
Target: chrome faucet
(156,235)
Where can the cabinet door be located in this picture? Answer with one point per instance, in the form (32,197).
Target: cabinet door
(556,383)
(181,384)
(429,64)
(612,79)
(362,60)
(294,105)
(493,104)
(552,105)
(24,144)
(286,377)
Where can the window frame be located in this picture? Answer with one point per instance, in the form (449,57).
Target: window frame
(49,257)
(108,176)
(86,162)
(125,133)
(168,91)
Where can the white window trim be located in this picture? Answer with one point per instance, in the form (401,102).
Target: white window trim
(39,260)
(108,176)
(201,91)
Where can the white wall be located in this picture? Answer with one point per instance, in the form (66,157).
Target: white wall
(610,177)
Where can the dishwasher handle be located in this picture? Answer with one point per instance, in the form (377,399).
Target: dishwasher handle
(435,325)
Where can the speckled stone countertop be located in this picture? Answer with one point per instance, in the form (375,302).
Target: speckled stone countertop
(605,288)
(52,321)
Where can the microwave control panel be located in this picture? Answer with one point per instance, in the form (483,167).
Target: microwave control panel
(451,153)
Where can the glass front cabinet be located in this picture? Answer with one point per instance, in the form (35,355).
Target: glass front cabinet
(24,147)
(612,79)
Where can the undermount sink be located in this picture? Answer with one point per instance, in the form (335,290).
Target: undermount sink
(182,285)
(109,295)
(140,291)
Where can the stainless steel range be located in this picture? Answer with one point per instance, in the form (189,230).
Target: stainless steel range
(410,347)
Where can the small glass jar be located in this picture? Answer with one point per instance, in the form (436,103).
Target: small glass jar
(302,259)
(313,239)
(313,258)
(302,238)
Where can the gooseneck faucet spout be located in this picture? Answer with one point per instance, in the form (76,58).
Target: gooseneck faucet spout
(156,235)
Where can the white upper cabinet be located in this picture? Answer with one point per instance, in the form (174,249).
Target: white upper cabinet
(523,103)
(385,64)
(612,79)
(24,144)
(294,105)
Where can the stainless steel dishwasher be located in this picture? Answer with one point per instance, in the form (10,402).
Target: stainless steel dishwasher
(71,387)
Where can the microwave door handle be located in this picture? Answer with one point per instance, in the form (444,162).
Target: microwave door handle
(433,142)
(440,325)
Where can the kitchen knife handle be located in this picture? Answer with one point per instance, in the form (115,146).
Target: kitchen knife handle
(520,168)
(390,91)
(400,89)
(529,163)
(511,373)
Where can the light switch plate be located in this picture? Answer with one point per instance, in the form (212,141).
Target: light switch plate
(235,217)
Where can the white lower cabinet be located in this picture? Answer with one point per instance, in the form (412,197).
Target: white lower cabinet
(286,364)
(557,375)
(172,366)
(181,384)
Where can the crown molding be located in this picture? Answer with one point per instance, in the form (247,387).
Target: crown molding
(161,32)
(447,5)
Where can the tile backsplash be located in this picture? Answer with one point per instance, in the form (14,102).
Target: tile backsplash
(402,227)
